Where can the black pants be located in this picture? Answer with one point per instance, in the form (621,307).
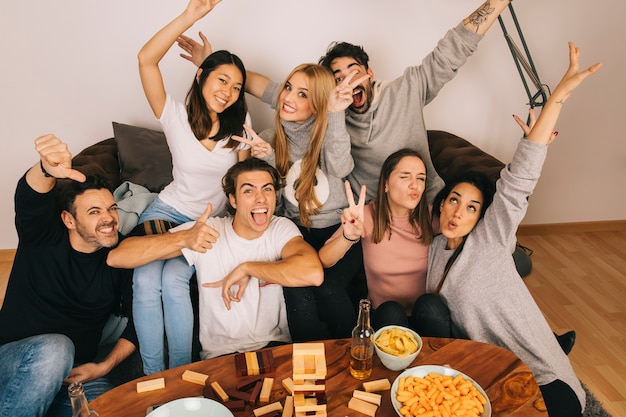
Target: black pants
(432,318)
(316,313)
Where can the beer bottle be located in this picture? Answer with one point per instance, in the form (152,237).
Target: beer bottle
(362,348)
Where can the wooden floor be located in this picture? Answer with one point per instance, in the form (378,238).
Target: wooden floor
(579,282)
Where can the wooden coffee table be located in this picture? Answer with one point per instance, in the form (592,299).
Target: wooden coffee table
(508,382)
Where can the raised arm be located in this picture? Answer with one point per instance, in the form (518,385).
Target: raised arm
(197,52)
(351,230)
(140,250)
(542,131)
(485,16)
(155,49)
(55,161)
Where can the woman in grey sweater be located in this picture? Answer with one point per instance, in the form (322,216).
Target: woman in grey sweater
(472,274)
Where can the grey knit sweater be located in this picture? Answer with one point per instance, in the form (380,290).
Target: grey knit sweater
(395,120)
(335,164)
(487,298)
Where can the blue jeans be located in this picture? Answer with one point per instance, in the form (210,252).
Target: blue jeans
(161,302)
(32,372)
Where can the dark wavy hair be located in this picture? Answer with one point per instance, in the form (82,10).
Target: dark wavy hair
(68,190)
(487,188)
(232,118)
(344,49)
(229,181)
(420,216)
(479,180)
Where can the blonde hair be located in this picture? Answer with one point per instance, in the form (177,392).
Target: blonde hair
(321,84)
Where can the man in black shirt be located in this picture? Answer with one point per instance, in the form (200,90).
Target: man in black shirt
(62,289)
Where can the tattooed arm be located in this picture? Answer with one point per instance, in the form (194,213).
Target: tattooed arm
(481,20)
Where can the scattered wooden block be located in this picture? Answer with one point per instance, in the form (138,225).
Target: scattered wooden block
(254,394)
(195,377)
(219,391)
(266,409)
(377,385)
(288,385)
(288,410)
(151,385)
(240,395)
(370,397)
(266,390)
(247,383)
(362,406)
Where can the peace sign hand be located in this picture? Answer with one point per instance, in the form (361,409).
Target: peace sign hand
(352,217)
(341,96)
(258,147)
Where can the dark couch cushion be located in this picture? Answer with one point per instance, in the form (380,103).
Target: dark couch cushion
(100,159)
(144,157)
(452,155)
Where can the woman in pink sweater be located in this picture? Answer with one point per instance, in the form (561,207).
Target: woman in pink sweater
(395,229)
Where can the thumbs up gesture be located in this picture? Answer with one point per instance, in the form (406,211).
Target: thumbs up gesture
(201,236)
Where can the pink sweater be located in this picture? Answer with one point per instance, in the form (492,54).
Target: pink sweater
(395,268)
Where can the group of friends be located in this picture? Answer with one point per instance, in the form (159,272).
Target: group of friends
(348,169)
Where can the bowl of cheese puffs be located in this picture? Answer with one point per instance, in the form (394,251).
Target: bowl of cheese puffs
(397,346)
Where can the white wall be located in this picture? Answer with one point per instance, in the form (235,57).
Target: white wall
(69,68)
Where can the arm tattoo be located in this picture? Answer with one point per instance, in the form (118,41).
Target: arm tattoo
(480,15)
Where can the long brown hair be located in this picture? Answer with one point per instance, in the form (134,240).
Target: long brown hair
(321,84)
(420,216)
(232,118)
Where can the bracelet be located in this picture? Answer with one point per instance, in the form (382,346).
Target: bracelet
(353,241)
(43,170)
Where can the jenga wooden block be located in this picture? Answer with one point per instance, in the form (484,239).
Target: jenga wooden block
(266,390)
(195,377)
(266,409)
(254,394)
(219,391)
(240,395)
(252,363)
(240,364)
(310,406)
(208,392)
(377,385)
(298,365)
(370,397)
(249,382)
(288,385)
(312,414)
(309,386)
(298,400)
(300,378)
(362,406)
(267,359)
(320,364)
(309,364)
(288,409)
(151,385)
(308,349)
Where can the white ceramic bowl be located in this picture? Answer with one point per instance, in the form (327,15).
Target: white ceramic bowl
(424,370)
(392,362)
(191,407)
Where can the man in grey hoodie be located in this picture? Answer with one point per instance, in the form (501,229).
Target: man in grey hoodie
(385,116)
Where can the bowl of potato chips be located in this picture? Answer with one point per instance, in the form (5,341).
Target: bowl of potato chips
(397,346)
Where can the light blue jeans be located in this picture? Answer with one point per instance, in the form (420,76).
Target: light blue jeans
(161,302)
(31,373)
